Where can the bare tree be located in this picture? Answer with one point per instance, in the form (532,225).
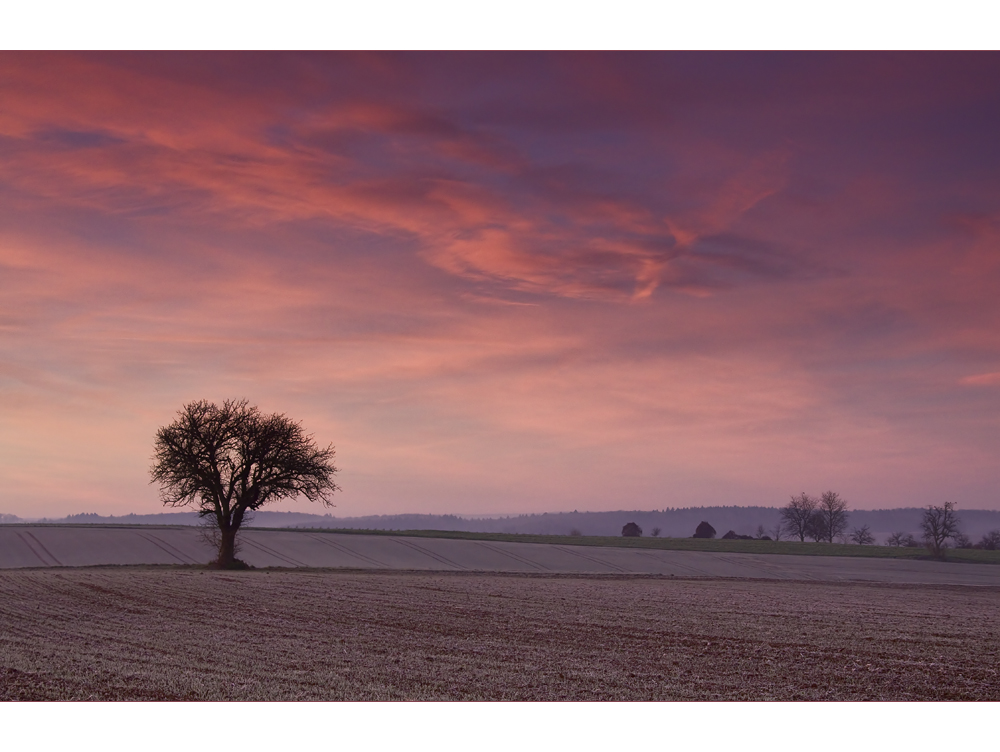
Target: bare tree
(962,540)
(991,540)
(231,460)
(939,524)
(795,516)
(777,531)
(829,521)
(656,532)
(862,536)
(815,528)
(895,539)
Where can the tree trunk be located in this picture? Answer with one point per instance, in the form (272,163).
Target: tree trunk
(228,527)
(227,547)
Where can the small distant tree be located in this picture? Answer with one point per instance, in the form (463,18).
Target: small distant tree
(796,515)
(939,524)
(991,541)
(631,530)
(761,533)
(777,531)
(230,460)
(962,540)
(862,536)
(575,533)
(829,521)
(656,532)
(895,539)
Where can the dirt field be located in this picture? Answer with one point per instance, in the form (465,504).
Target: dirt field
(150,634)
(31,546)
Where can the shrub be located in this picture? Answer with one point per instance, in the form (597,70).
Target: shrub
(704,530)
(631,530)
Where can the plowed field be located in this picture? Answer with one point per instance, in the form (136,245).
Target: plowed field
(152,634)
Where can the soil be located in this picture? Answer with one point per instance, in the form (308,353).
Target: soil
(195,634)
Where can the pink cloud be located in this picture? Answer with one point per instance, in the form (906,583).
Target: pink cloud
(982,379)
(514,294)
(191,154)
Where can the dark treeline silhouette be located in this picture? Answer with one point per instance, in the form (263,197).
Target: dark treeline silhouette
(674,523)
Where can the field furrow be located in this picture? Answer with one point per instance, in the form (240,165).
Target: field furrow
(176,634)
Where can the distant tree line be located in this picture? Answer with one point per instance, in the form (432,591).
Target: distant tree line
(940,528)
(824,519)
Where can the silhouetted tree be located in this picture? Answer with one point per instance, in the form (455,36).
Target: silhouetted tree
(796,515)
(862,536)
(656,532)
(231,460)
(814,527)
(962,540)
(704,530)
(901,539)
(631,530)
(939,524)
(777,531)
(575,533)
(829,521)
(991,540)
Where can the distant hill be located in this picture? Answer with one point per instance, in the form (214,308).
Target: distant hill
(676,523)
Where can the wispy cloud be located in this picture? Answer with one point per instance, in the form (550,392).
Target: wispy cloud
(982,379)
(507,281)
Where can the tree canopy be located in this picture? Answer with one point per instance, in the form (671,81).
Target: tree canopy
(796,516)
(231,459)
(829,520)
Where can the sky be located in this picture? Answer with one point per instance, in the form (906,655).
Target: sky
(504,283)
